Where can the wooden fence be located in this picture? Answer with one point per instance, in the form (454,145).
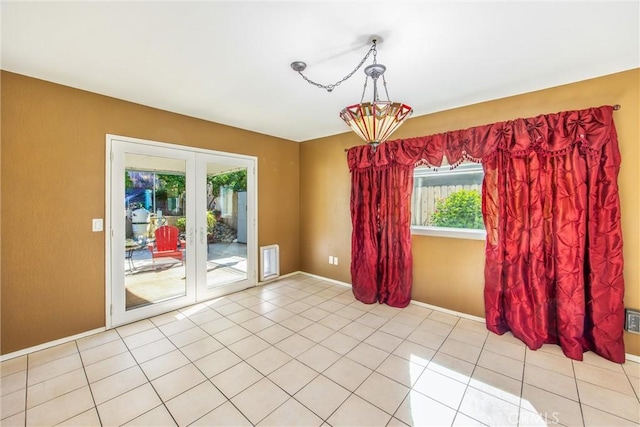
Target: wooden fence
(424,199)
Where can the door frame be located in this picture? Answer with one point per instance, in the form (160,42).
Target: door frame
(252,218)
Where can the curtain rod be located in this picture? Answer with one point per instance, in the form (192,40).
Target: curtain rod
(615,107)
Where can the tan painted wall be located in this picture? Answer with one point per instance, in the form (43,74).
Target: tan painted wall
(449,272)
(53,183)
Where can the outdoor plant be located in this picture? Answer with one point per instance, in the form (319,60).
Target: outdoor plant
(211,222)
(236,181)
(461,209)
(181,223)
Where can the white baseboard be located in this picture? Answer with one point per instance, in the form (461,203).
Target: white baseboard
(50,344)
(326,279)
(275,278)
(632,358)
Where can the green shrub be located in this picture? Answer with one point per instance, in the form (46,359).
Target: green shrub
(181,223)
(211,222)
(461,209)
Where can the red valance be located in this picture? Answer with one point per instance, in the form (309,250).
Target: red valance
(551,134)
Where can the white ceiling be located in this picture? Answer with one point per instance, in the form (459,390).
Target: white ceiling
(228,62)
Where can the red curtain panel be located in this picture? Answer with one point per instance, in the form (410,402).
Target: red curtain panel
(381,186)
(554,263)
(553,271)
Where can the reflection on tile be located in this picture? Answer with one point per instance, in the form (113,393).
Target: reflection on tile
(488,409)
(451,366)
(401,370)
(383,392)
(441,388)
(496,384)
(505,365)
(419,410)
(551,406)
(551,381)
(415,353)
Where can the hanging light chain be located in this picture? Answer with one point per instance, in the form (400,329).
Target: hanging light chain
(330,87)
(384,83)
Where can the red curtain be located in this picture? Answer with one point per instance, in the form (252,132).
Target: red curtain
(553,271)
(381,186)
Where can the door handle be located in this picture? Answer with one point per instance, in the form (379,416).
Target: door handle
(191,236)
(201,235)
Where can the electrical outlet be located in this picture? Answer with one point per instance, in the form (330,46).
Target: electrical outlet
(330,259)
(96,224)
(335,260)
(632,323)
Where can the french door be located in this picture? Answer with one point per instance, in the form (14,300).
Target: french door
(181,227)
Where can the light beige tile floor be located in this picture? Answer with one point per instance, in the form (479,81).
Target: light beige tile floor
(302,351)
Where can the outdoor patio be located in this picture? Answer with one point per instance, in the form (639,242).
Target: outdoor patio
(150,281)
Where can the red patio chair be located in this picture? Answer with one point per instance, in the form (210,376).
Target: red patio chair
(166,244)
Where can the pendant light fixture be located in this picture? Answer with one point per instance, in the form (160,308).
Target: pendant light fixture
(372,121)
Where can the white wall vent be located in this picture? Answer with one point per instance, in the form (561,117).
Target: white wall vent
(269,262)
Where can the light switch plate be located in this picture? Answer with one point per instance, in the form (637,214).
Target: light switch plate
(96,224)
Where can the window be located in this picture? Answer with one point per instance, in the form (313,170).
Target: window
(448,202)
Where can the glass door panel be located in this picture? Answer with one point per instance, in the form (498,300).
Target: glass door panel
(226,239)
(155,226)
(152,270)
